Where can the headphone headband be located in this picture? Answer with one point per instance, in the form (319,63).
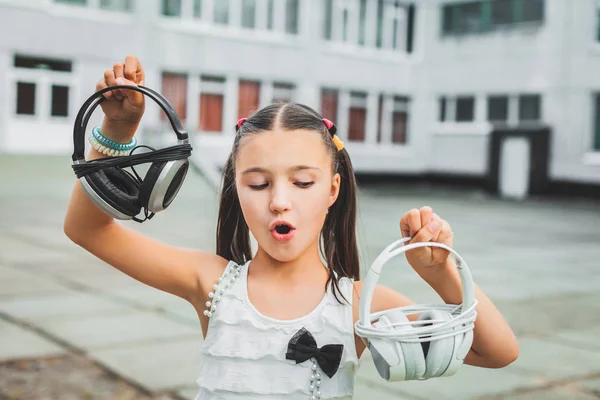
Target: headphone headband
(468,289)
(88,107)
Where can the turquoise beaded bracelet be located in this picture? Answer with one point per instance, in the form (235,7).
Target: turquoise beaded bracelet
(100,138)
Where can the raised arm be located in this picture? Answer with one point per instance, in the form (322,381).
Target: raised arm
(185,273)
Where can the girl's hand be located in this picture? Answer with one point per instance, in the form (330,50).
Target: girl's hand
(425,226)
(123,109)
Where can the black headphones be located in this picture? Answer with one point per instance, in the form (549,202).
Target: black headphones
(116,191)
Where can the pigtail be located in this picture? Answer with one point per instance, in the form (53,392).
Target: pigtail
(339,231)
(233,235)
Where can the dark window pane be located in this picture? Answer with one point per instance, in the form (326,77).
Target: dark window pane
(497,108)
(596,142)
(116,5)
(291,16)
(60,101)
(270,14)
(74,2)
(197,8)
(171,8)
(248,13)
(379,37)
(362,22)
(328,19)
(222,12)
(25,98)
(502,12)
(529,107)
(532,10)
(465,109)
(34,62)
(442,109)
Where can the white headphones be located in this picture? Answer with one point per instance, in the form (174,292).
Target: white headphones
(435,344)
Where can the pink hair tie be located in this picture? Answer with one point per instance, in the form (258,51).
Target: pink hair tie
(240,122)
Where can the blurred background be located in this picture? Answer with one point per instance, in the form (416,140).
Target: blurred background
(486,110)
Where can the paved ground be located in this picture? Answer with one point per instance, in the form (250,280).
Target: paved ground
(539,261)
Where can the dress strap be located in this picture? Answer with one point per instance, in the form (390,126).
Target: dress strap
(224,282)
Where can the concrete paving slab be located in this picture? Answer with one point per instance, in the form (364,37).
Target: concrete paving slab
(147,296)
(19,343)
(459,386)
(126,329)
(591,385)
(187,394)
(364,389)
(553,394)
(35,309)
(28,286)
(584,339)
(555,361)
(170,364)
(185,311)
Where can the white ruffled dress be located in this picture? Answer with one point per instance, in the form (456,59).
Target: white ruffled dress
(244,352)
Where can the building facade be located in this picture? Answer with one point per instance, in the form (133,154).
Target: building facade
(414,88)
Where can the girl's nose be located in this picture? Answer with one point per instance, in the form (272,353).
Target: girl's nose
(280,200)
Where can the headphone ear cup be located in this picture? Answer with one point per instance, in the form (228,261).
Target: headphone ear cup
(162,183)
(114,191)
(438,353)
(412,360)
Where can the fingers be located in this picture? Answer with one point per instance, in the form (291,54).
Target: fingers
(426,215)
(439,255)
(410,223)
(111,80)
(134,70)
(134,73)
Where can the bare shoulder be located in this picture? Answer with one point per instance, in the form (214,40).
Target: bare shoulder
(384,298)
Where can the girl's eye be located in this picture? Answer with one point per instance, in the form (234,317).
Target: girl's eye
(259,187)
(304,184)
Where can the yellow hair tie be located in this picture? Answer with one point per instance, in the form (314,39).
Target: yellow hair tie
(338,143)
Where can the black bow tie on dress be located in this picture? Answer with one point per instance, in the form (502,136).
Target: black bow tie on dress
(303,346)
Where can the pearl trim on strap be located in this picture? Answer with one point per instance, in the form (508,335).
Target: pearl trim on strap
(231,274)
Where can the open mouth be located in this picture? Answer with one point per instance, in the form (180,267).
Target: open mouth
(283,229)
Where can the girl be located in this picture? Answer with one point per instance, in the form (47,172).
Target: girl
(289,181)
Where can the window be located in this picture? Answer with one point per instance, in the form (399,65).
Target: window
(60,101)
(116,5)
(442,108)
(283,92)
(171,8)
(291,16)
(74,2)
(174,88)
(32,62)
(400,120)
(380,17)
(465,109)
(357,116)
(270,14)
(328,26)
(596,139)
(197,8)
(248,97)
(221,12)
(248,13)
(481,16)
(329,104)
(379,117)
(497,108)
(25,98)
(362,22)
(211,103)
(529,107)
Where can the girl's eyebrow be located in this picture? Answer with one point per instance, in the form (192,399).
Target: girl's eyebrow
(291,169)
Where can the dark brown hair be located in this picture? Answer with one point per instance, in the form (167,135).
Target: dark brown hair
(339,247)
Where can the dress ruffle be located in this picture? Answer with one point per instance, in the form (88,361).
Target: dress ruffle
(243,354)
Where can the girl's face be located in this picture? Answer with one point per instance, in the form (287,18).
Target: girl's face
(285,186)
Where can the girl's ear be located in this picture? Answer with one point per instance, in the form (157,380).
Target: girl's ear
(336,180)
